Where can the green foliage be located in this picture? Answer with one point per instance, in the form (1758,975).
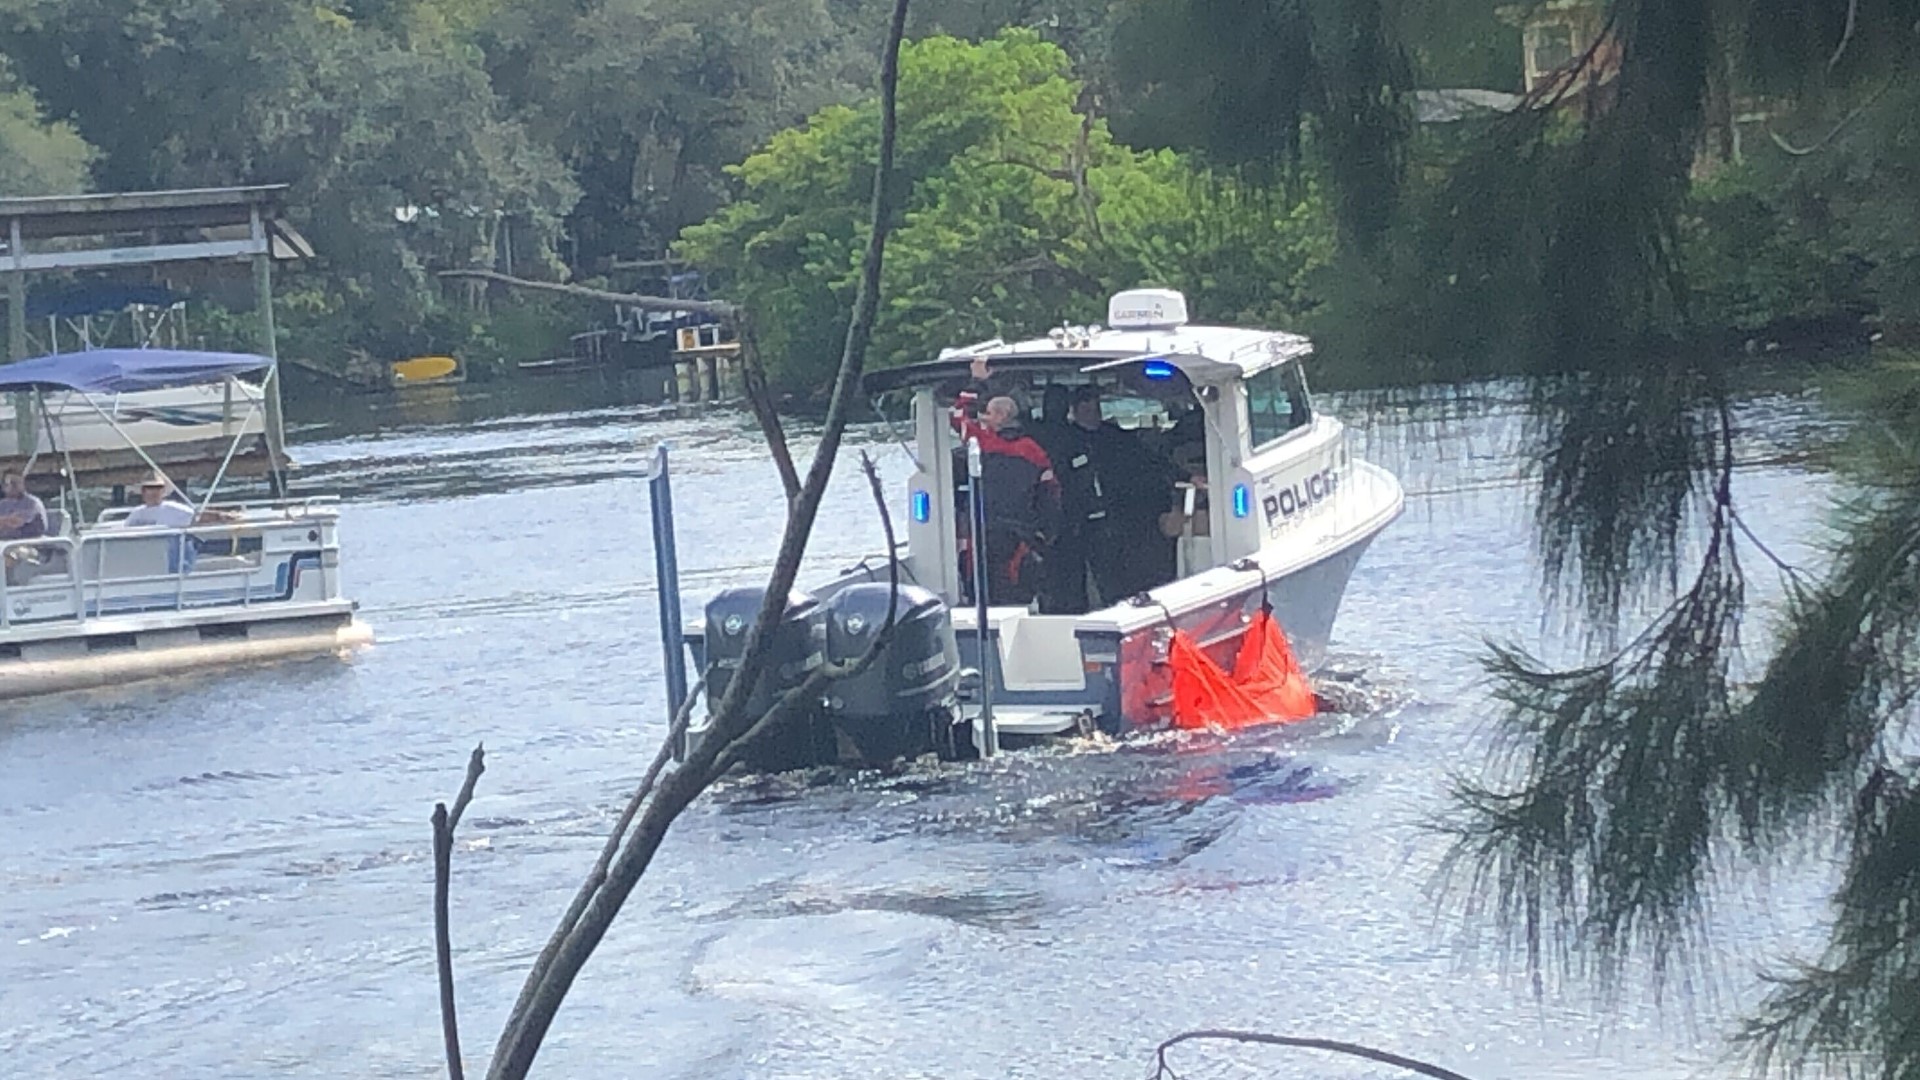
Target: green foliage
(647,102)
(1853,197)
(363,120)
(1018,211)
(37,157)
(1243,82)
(1753,265)
(1572,240)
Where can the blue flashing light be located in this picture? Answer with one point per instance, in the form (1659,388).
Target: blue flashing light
(1157,369)
(922,506)
(1242,501)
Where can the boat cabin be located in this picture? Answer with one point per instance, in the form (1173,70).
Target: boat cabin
(1228,451)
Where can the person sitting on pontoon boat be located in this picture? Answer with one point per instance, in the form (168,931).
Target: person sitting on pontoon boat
(156,510)
(22,515)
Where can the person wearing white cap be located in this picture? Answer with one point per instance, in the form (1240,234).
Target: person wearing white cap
(156,509)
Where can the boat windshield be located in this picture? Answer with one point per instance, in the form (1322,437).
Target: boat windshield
(1135,413)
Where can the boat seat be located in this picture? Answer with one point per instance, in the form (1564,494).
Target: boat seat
(144,556)
(1040,652)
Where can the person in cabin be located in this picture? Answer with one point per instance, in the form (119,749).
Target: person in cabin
(1124,488)
(1019,487)
(1182,462)
(1084,445)
(1053,431)
(1022,504)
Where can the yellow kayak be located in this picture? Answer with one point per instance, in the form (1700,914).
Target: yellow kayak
(424,368)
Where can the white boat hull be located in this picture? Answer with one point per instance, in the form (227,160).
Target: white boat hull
(103,657)
(1112,664)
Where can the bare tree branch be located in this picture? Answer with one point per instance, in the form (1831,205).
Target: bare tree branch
(760,399)
(1164,1071)
(476,764)
(598,877)
(527,1028)
(443,826)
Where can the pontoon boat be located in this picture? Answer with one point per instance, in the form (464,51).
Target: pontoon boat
(96,601)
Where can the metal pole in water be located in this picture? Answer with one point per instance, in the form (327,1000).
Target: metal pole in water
(989,656)
(667,574)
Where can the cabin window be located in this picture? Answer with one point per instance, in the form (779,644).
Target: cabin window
(1277,404)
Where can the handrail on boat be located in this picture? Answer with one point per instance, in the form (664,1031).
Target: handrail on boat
(294,509)
(185,569)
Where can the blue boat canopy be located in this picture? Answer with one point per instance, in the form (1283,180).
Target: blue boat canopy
(119,371)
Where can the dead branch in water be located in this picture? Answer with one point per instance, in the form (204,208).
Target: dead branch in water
(443,825)
(719,309)
(759,398)
(1164,1071)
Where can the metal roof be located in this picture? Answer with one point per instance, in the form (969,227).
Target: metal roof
(50,216)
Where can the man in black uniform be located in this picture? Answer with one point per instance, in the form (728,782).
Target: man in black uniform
(1079,447)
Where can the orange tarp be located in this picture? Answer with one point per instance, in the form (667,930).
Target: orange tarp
(1267,685)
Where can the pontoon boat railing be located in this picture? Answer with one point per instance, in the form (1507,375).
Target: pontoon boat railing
(295,509)
(82,588)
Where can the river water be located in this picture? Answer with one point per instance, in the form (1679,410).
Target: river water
(230,875)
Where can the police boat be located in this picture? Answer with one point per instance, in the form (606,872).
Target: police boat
(1207,504)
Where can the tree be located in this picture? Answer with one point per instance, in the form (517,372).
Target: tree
(398,151)
(1017,211)
(1621,781)
(647,102)
(37,157)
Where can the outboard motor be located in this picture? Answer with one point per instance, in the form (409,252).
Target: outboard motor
(798,647)
(903,705)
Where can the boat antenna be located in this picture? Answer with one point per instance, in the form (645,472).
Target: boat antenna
(893,427)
